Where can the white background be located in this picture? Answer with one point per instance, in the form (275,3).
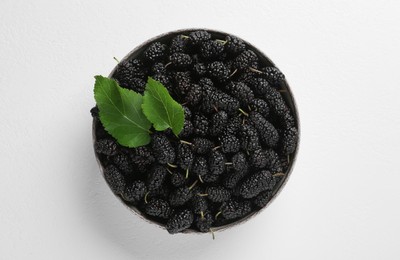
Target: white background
(341,58)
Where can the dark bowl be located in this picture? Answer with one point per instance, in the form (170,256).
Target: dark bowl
(287,96)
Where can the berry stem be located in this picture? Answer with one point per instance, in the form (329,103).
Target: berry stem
(194,184)
(185,36)
(278,174)
(187,173)
(216,148)
(255,70)
(288,158)
(186,142)
(233,73)
(221,41)
(215,108)
(282,90)
(201,180)
(202,214)
(212,233)
(228,163)
(170,171)
(116,59)
(166,65)
(219,213)
(202,194)
(172,165)
(243,112)
(145,197)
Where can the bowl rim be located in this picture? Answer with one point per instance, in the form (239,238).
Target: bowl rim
(289,98)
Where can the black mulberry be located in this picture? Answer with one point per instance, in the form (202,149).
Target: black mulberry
(158,208)
(156,51)
(106,146)
(255,183)
(135,191)
(266,131)
(163,150)
(179,221)
(115,179)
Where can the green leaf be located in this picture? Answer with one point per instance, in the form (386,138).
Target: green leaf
(161,109)
(121,113)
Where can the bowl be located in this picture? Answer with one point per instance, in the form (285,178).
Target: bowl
(286,94)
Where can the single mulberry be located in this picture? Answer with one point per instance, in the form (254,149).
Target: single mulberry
(184,156)
(249,138)
(163,150)
(229,143)
(199,36)
(241,91)
(263,198)
(232,179)
(266,131)
(158,68)
(273,75)
(199,204)
(200,69)
(115,179)
(135,191)
(180,196)
(180,60)
(218,122)
(123,162)
(216,163)
(200,124)
(155,52)
(204,222)
(218,194)
(180,221)
(156,177)
(233,125)
(239,163)
(232,209)
(158,208)
(218,71)
(177,179)
(259,85)
(289,140)
(128,70)
(202,145)
(187,129)
(260,106)
(273,162)
(234,45)
(211,49)
(276,102)
(245,59)
(200,166)
(178,44)
(258,159)
(194,95)
(255,183)
(106,146)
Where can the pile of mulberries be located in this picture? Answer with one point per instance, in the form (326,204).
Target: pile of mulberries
(235,149)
